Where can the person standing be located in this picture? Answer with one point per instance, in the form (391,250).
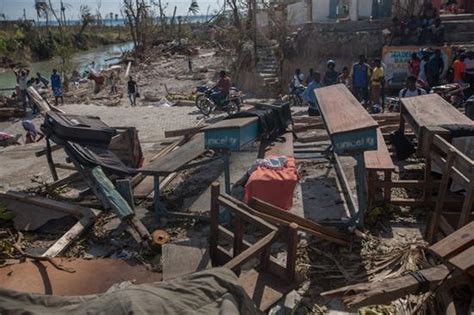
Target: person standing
(113,83)
(376,81)
(360,79)
(459,68)
(22,80)
(345,78)
(434,69)
(422,78)
(132,89)
(310,97)
(310,77)
(331,75)
(469,73)
(56,86)
(414,65)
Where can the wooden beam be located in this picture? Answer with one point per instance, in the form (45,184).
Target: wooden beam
(384,292)
(323,231)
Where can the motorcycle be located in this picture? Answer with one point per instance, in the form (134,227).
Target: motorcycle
(295,95)
(206,105)
(453,93)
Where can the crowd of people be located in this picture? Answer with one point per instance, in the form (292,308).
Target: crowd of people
(365,81)
(424,28)
(427,70)
(40,84)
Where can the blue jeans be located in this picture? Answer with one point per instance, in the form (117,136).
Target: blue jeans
(218,97)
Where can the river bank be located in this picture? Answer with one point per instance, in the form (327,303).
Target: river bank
(79,61)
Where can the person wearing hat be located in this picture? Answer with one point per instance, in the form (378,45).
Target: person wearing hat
(331,76)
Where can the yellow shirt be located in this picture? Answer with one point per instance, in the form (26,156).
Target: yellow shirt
(377,75)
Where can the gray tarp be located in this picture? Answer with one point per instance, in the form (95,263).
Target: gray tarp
(213,291)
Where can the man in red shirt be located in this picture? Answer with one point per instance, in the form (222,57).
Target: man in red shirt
(459,68)
(222,88)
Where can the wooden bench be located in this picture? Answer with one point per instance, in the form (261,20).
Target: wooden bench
(352,132)
(375,162)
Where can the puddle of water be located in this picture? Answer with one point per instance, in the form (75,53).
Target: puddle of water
(80,61)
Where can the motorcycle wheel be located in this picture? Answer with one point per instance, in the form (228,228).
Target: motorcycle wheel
(232,108)
(199,100)
(294,101)
(206,106)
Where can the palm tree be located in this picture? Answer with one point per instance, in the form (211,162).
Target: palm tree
(193,8)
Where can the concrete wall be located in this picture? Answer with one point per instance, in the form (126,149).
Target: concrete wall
(317,43)
(320,10)
(365,8)
(297,13)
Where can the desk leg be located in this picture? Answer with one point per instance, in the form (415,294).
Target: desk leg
(225,158)
(358,218)
(402,121)
(160,210)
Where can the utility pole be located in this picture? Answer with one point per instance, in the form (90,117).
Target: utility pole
(254,23)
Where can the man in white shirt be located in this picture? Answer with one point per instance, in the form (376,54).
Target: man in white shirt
(411,89)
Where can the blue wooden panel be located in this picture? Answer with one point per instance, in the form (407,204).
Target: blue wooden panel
(232,138)
(357,141)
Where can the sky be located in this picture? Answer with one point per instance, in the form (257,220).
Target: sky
(13,9)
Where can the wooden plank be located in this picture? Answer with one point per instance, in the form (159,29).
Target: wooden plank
(341,111)
(379,159)
(195,252)
(231,123)
(384,292)
(433,110)
(466,210)
(464,260)
(74,232)
(455,243)
(183,132)
(323,231)
(442,193)
(251,252)
(68,208)
(176,159)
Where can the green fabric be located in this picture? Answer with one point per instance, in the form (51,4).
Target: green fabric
(213,291)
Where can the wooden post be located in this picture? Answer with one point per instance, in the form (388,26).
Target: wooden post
(238,238)
(291,256)
(402,120)
(49,157)
(214,221)
(371,177)
(428,188)
(125,189)
(443,191)
(467,205)
(387,191)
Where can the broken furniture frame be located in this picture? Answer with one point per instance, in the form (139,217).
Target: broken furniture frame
(174,161)
(456,251)
(86,217)
(285,278)
(454,165)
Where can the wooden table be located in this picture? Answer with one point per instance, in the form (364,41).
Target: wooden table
(175,161)
(429,110)
(352,132)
